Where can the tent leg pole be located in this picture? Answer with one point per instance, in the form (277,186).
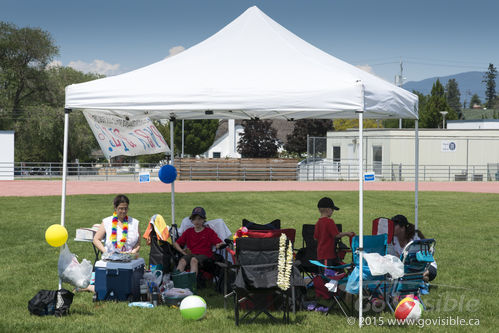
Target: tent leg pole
(64,171)
(172,162)
(416,176)
(361,212)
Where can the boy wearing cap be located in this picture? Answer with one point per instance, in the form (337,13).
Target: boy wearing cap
(326,233)
(199,241)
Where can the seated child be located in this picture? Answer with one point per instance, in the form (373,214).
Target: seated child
(199,241)
(326,233)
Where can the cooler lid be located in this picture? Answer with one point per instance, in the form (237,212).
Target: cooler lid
(120,264)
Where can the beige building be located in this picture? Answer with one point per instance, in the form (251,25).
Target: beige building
(389,153)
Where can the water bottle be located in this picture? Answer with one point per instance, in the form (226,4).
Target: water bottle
(155,297)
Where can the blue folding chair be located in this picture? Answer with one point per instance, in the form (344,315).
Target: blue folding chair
(416,257)
(372,285)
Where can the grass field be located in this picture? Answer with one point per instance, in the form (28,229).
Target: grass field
(465,226)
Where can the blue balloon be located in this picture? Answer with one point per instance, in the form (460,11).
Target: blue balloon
(167,174)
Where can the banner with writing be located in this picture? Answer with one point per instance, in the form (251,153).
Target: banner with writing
(118,136)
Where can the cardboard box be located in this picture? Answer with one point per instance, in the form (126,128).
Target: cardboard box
(119,281)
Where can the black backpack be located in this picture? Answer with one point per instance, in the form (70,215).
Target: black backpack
(51,302)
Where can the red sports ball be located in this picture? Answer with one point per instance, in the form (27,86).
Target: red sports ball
(408,308)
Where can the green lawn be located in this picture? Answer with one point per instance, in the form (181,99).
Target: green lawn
(465,226)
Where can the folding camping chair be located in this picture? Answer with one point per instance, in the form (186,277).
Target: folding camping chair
(211,268)
(372,286)
(255,286)
(416,257)
(309,252)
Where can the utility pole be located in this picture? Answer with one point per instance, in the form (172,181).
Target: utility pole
(399,81)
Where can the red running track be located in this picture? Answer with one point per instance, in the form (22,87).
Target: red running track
(47,188)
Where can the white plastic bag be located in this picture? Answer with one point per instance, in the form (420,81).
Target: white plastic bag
(380,265)
(71,271)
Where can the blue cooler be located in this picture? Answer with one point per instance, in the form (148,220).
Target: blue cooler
(119,281)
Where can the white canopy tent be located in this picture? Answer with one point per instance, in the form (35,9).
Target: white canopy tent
(251,69)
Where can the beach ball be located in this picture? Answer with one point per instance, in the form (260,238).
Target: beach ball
(167,174)
(56,235)
(408,308)
(193,308)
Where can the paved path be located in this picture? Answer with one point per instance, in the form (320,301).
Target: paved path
(47,188)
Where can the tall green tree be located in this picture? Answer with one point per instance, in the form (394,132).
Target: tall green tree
(430,116)
(297,140)
(258,140)
(39,135)
(453,96)
(198,136)
(475,100)
(24,55)
(489,79)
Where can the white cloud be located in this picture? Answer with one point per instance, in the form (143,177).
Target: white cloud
(175,50)
(54,64)
(97,66)
(366,68)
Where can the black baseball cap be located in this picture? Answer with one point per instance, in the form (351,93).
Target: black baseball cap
(327,203)
(198,211)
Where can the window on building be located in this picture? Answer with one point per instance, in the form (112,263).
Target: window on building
(378,160)
(337,157)
(216,154)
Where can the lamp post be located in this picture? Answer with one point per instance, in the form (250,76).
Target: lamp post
(443,119)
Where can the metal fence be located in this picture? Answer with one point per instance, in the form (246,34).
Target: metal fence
(349,170)
(307,170)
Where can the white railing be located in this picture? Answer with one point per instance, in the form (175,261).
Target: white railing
(303,171)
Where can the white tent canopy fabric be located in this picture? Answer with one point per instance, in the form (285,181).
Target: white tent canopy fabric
(252,68)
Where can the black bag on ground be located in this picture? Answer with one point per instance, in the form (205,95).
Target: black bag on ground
(51,302)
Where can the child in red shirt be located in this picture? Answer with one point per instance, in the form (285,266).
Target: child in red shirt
(199,241)
(326,233)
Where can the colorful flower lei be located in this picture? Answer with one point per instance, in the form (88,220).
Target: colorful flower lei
(114,232)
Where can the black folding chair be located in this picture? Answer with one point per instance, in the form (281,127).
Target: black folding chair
(255,286)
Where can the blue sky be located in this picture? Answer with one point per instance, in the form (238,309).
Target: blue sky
(431,37)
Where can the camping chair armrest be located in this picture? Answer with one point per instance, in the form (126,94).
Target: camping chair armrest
(317,263)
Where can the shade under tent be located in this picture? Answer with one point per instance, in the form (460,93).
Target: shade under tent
(253,68)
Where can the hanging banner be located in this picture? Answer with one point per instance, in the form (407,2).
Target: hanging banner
(118,136)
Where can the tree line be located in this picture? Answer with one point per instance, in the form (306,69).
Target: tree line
(32,96)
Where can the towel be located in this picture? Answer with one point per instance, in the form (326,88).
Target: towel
(158,223)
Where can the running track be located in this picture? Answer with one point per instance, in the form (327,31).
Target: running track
(48,188)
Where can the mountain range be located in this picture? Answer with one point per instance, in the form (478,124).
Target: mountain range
(469,83)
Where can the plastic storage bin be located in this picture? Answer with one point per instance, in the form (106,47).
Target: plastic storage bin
(118,281)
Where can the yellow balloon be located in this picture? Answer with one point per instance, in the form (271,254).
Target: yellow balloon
(56,235)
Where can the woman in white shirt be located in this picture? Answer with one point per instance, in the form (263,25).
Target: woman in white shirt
(121,231)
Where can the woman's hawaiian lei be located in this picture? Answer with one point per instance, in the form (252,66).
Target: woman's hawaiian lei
(114,232)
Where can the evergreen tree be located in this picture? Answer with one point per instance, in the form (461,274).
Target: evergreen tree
(475,100)
(453,96)
(258,140)
(297,141)
(430,116)
(489,79)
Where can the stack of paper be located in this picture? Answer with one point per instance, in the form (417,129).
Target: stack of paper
(86,233)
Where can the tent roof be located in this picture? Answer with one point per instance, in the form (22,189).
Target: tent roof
(252,68)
